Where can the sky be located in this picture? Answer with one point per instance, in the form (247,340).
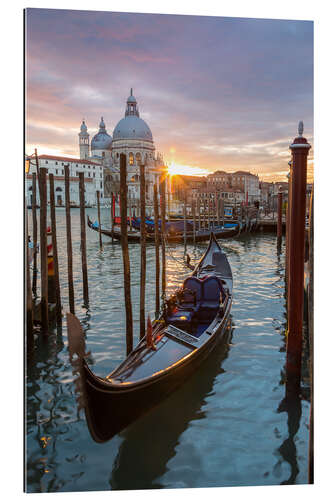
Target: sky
(218,93)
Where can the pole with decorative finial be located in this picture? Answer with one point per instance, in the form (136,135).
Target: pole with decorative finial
(300,149)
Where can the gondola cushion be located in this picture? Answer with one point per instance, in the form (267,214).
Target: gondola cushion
(180,316)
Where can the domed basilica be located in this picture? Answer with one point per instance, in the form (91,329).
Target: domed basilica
(131,136)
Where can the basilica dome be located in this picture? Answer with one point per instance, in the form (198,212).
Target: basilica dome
(132,126)
(102,140)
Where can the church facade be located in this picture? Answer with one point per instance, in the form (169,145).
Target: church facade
(132,137)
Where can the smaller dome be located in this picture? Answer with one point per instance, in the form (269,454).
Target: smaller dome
(102,140)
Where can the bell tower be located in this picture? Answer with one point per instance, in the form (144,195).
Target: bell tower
(84,141)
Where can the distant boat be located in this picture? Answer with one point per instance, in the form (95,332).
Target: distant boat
(134,236)
(194,320)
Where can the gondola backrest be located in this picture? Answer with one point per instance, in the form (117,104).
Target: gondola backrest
(212,289)
(194,284)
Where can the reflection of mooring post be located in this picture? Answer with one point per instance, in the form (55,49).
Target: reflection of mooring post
(143,250)
(124,247)
(157,254)
(300,149)
(279,220)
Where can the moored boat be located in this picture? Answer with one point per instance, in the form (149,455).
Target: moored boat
(194,320)
(134,236)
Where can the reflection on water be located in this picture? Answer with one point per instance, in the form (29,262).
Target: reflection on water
(228,425)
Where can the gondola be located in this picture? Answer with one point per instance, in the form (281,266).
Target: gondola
(194,320)
(134,236)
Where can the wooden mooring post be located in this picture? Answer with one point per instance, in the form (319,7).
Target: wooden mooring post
(279,219)
(310,328)
(163,238)
(55,251)
(43,250)
(185,223)
(34,233)
(28,291)
(98,194)
(83,240)
(199,214)
(287,264)
(124,247)
(143,250)
(194,221)
(300,149)
(113,213)
(69,242)
(157,254)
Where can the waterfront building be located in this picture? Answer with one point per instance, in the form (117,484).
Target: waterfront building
(235,182)
(93,178)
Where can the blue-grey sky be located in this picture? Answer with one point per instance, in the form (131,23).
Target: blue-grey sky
(217,93)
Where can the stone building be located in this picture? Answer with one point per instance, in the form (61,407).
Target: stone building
(132,137)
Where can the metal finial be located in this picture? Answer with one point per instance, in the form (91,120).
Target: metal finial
(300,129)
(131,91)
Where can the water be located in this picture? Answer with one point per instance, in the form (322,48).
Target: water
(226,426)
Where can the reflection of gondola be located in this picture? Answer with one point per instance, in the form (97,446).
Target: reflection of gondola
(134,236)
(194,321)
(150,443)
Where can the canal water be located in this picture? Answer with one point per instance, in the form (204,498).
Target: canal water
(228,425)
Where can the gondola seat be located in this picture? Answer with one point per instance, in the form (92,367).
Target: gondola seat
(209,304)
(192,293)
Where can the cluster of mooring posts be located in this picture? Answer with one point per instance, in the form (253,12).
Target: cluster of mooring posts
(125,253)
(48,310)
(298,265)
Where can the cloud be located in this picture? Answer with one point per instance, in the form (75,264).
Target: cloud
(224,92)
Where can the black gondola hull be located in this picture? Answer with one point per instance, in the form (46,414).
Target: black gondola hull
(111,407)
(134,237)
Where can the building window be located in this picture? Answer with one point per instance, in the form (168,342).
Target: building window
(94,174)
(131,158)
(56,171)
(46,161)
(101,184)
(88,166)
(138,158)
(88,174)
(94,167)
(58,189)
(56,163)
(62,172)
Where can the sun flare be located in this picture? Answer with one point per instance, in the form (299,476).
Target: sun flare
(177,169)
